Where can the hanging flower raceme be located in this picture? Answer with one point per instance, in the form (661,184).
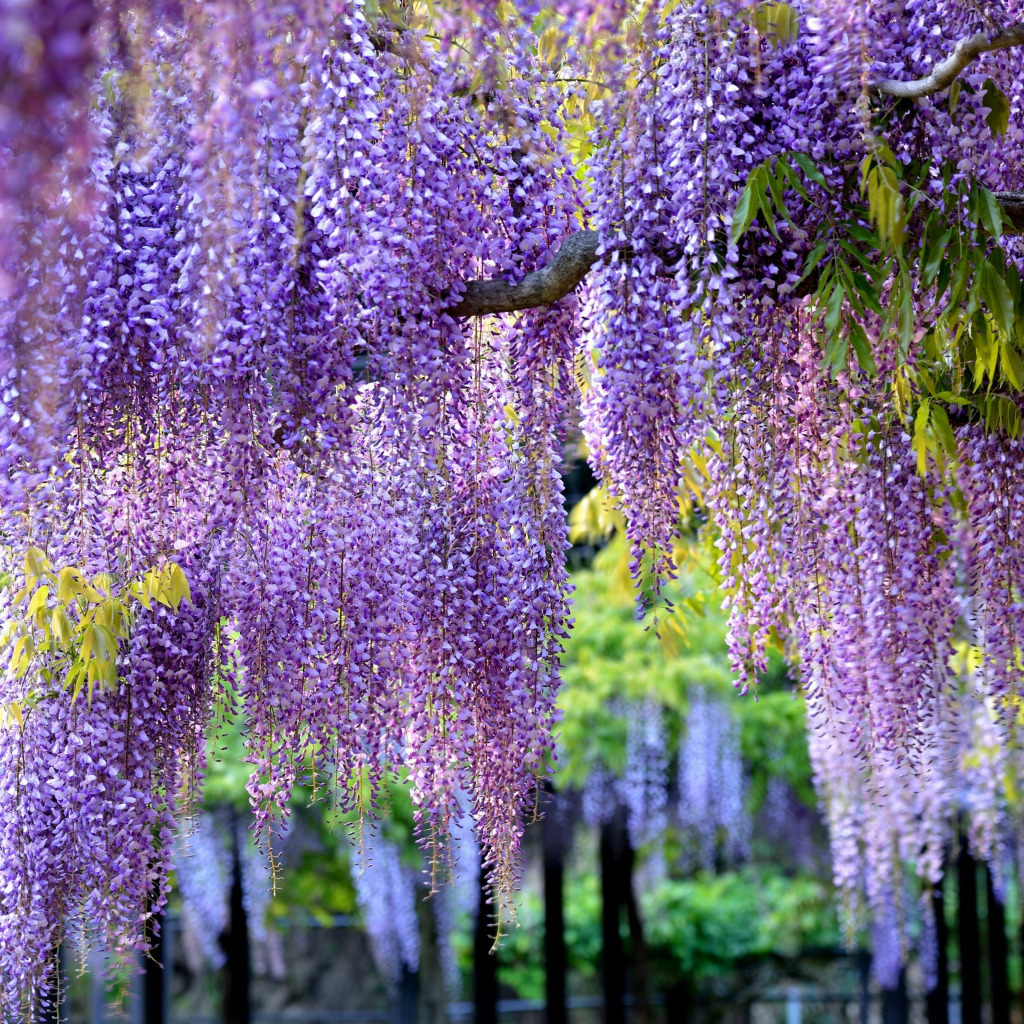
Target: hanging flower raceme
(238,415)
(712,787)
(230,367)
(387,893)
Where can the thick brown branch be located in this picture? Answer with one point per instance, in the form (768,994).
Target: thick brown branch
(1012,205)
(541,288)
(579,253)
(946,71)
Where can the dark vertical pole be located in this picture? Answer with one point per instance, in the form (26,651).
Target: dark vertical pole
(864,976)
(405,998)
(970,939)
(553,840)
(485,963)
(998,954)
(937,1001)
(642,1010)
(895,1005)
(153,980)
(679,1002)
(431,998)
(236,1008)
(613,960)
(1020,942)
(56,1009)
(97,988)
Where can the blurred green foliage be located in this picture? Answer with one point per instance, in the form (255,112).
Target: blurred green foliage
(698,927)
(611,656)
(701,927)
(521,958)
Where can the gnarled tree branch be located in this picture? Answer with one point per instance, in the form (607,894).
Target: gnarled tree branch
(1012,205)
(541,288)
(946,71)
(579,253)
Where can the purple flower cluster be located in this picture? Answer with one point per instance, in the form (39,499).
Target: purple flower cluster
(202,868)
(225,340)
(388,891)
(867,561)
(642,787)
(238,357)
(46,52)
(712,783)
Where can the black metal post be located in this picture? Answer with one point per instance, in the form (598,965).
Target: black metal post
(485,963)
(864,977)
(937,1001)
(155,972)
(895,1004)
(970,939)
(998,953)
(613,959)
(405,997)
(235,941)
(553,841)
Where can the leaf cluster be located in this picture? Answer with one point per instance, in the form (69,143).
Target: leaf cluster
(900,272)
(66,630)
(702,926)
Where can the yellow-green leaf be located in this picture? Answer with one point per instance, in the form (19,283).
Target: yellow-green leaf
(943,430)
(60,625)
(998,117)
(1013,368)
(920,441)
(36,562)
(38,600)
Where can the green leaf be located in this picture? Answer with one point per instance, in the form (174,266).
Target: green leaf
(998,117)
(1013,368)
(178,585)
(957,287)
(36,563)
(920,440)
(74,677)
(778,23)
(836,352)
(996,294)
(38,601)
(886,210)
(784,170)
(775,186)
(766,207)
(863,234)
(934,253)
(990,212)
(69,584)
(954,96)
(833,309)
(862,348)
(943,431)
(814,259)
(104,582)
(806,164)
(60,625)
(868,294)
(905,319)
(986,351)
(744,214)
